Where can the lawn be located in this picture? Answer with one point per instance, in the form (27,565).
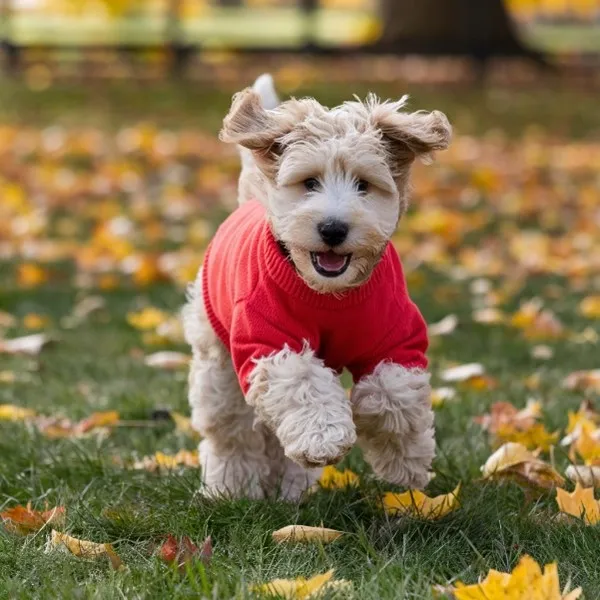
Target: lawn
(113,192)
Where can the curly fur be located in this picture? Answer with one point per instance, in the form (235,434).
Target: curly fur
(296,416)
(394,421)
(287,391)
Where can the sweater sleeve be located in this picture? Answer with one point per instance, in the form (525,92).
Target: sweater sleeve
(262,327)
(405,343)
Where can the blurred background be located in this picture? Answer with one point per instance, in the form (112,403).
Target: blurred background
(112,179)
(112,182)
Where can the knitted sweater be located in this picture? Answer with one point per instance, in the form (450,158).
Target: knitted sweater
(257,303)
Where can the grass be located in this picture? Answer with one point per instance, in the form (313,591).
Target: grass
(96,366)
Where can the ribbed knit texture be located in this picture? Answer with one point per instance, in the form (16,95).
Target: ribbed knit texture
(257,303)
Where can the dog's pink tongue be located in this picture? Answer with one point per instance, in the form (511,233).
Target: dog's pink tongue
(330,261)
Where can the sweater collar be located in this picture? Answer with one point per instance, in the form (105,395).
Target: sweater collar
(281,271)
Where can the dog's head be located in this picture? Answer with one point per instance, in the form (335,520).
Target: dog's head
(336,180)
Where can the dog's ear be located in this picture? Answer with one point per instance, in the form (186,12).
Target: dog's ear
(411,135)
(251,126)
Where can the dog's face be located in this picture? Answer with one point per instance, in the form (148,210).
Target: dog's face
(336,180)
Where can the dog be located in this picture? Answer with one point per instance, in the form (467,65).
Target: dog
(302,281)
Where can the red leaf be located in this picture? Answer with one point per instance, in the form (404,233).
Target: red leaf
(184,551)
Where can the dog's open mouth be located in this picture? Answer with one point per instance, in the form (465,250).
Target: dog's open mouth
(330,264)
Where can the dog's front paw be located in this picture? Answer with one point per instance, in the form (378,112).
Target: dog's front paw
(324,447)
(402,461)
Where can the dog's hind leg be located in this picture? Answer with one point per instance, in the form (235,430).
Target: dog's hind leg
(288,479)
(232,452)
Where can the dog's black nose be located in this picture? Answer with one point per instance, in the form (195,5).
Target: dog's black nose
(333,232)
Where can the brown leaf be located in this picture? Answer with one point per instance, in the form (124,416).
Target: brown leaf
(24,520)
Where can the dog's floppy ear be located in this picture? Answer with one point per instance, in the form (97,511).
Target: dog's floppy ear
(411,135)
(251,126)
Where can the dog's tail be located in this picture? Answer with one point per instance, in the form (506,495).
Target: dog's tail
(265,88)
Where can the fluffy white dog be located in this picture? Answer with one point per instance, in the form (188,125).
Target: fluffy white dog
(302,281)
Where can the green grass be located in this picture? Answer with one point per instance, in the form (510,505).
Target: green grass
(96,367)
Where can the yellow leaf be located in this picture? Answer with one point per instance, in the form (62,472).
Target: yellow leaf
(463,373)
(160,460)
(513,461)
(590,307)
(332,479)
(526,582)
(147,319)
(84,548)
(300,588)
(184,424)
(580,503)
(35,321)
(30,275)
(534,437)
(588,447)
(306,533)
(10,412)
(440,395)
(416,503)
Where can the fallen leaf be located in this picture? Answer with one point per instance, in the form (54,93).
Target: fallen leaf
(7,377)
(585,475)
(417,504)
(444,327)
(462,372)
(31,345)
(84,548)
(542,352)
(583,381)
(590,307)
(580,503)
(24,520)
(30,275)
(306,534)
(147,318)
(587,446)
(513,461)
(440,395)
(184,424)
(489,316)
(167,360)
(526,582)
(331,478)
(183,551)
(35,321)
(56,427)
(98,419)
(7,320)
(10,412)
(504,414)
(83,310)
(160,461)
(301,588)
(537,436)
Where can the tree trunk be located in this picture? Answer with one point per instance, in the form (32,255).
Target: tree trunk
(478,28)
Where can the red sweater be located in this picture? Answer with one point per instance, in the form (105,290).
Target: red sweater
(257,303)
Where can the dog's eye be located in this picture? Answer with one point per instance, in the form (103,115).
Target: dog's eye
(362,185)
(311,184)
